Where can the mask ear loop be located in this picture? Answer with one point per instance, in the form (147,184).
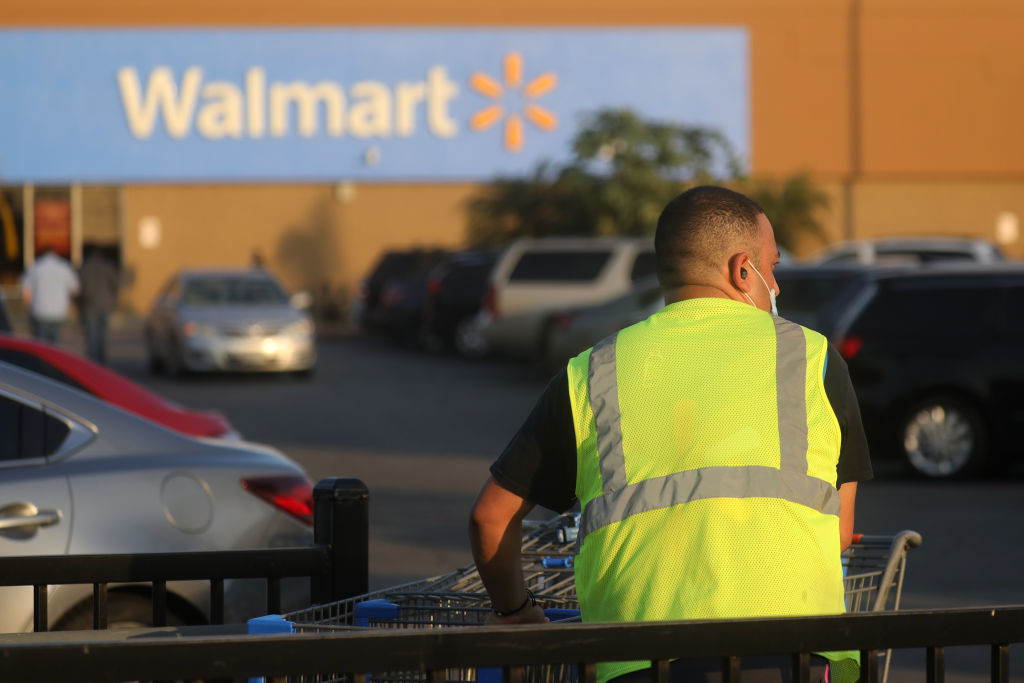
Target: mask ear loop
(743,276)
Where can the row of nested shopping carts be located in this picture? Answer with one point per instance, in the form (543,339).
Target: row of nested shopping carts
(873,567)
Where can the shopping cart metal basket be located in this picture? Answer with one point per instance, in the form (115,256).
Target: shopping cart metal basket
(874,568)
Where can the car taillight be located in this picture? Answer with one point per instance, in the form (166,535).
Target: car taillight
(565,320)
(434,286)
(849,346)
(491,302)
(290,494)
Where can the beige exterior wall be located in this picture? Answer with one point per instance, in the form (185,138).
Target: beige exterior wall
(907,112)
(310,235)
(906,209)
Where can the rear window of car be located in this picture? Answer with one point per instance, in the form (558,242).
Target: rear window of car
(559,266)
(400,264)
(233,291)
(644,265)
(28,432)
(939,310)
(811,293)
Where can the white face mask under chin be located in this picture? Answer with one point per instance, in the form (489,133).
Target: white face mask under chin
(771,292)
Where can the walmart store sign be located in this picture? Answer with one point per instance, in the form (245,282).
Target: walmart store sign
(398,105)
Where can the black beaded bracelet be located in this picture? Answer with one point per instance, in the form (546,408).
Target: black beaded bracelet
(530,601)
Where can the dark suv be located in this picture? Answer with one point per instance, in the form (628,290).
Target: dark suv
(455,294)
(937,361)
(391,297)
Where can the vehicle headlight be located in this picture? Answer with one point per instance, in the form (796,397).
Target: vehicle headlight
(192,329)
(303,328)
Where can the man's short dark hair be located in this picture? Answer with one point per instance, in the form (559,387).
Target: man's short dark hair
(699,229)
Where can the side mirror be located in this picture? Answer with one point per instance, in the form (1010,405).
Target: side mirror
(302,300)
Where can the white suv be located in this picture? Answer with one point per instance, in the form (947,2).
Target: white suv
(909,251)
(536,278)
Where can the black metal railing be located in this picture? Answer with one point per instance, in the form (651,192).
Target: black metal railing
(337,563)
(511,649)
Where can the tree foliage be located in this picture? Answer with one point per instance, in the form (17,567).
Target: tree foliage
(623,171)
(791,205)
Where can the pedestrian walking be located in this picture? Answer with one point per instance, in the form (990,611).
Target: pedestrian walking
(714,450)
(5,321)
(100,283)
(47,288)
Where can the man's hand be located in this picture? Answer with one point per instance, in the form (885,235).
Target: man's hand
(534,614)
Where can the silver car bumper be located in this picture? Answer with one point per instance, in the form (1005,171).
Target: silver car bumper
(278,353)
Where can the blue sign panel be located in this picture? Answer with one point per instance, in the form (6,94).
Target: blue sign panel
(345,104)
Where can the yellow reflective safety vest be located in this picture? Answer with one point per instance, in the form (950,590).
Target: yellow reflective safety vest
(706,472)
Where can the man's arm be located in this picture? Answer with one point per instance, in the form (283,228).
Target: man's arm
(847,501)
(495,533)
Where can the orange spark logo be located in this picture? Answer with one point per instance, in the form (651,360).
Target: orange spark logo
(540,117)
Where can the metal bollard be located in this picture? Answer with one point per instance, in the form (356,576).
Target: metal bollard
(341,522)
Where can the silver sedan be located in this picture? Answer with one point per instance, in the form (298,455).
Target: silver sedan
(229,319)
(80,476)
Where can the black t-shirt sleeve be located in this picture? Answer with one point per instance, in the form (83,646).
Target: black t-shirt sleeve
(539,463)
(854,457)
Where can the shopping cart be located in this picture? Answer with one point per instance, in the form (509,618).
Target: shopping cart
(873,567)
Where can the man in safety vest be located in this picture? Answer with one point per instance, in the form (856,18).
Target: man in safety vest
(714,449)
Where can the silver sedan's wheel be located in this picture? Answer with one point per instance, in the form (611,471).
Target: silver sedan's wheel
(124,610)
(943,437)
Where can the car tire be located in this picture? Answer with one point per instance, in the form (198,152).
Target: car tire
(174,366)
(124,610)
(467,340)
(428,340)
(943,437)
(154,364)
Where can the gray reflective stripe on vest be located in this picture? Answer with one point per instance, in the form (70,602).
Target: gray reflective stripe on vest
(603,388)
(789,482)
(791,395)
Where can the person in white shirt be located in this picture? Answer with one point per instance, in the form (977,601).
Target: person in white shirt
(47,288)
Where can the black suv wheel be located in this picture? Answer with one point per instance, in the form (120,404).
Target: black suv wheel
(943,437)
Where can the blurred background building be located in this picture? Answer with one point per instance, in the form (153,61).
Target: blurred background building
(906,113)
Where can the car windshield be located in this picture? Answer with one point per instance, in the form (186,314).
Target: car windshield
(234,291)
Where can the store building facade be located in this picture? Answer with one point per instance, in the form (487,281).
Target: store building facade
(319,134)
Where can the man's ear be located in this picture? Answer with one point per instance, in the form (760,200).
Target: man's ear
(739,274)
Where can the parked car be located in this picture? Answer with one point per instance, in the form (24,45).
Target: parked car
(80,476)
(577,329)
(535,279)
(909,251)
(80,372)
(229,319)
(807,292)
(935,358)
(392,295)
(455,295)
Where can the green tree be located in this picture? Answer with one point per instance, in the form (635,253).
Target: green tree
(640,165)
(792,205)
(623,171)
(541,205)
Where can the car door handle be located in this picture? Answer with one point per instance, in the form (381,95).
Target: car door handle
(41,518)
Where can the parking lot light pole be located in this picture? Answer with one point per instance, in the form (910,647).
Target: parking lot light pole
(341,521)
